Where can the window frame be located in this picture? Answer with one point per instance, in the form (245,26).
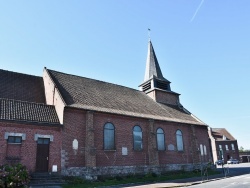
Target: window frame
(105,145)
(135,139)
(177,145)
(220,147)
(15,141)
(227,148)
(163,134)
(232,146)
(43,141)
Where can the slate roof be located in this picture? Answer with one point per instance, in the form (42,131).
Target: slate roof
(90,94)
(26,111)
(152,65)
(219,132)
(22,87)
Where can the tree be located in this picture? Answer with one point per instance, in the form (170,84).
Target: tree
(241,149)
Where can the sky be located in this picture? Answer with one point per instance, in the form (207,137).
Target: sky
(202,46)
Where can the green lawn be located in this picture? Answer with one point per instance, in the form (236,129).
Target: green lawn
(149,178)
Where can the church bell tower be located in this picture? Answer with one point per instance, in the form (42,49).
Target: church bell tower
(154,84)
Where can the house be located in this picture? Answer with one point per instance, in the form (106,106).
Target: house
(224,145)
(96,128)
(30,131)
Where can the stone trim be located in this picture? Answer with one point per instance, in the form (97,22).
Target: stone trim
(51,137)
(7,134)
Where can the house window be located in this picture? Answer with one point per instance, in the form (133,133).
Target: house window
(179,140)
(160,139)
(137,135)
(14,139)
(220,147)
(226,147)
(109,136)
(232,146)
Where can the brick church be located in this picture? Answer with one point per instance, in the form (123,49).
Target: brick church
(85,127)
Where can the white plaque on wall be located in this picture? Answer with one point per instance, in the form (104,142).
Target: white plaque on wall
(124,151)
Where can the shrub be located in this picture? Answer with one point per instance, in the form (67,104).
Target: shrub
(14,176)
(119,178)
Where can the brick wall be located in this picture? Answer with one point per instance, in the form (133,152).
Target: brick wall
(123,138)
(201,133)
(74,129)
(53,96)
(25,152)
(166,97)
(75,123)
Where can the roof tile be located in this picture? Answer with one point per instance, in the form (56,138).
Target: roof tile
(101,96)
(219,132)
(21,87)
(27,111)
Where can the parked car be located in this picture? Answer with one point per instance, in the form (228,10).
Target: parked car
(219,162)
(232,161)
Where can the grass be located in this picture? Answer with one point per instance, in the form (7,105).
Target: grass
(77,182)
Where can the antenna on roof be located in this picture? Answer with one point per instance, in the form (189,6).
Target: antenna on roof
(149,34)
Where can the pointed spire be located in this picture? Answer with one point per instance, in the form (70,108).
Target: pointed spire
(153,78)
(152,65)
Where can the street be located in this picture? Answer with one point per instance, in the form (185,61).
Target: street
(242,168)
(231,182)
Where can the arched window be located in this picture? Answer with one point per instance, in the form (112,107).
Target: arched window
(109,136)
(201,149)
(137,135)
(205,150)
(179,140)
(160,139)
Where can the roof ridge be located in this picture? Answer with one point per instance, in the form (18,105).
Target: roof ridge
(25,74)
(95,80)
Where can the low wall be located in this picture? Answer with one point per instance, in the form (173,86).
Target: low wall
(91,173)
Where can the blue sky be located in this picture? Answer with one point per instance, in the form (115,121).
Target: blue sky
(202,47)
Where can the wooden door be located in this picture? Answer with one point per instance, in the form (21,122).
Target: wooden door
(42,155)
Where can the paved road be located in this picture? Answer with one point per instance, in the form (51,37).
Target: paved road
(242,181)
(237,173)
(242,168)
